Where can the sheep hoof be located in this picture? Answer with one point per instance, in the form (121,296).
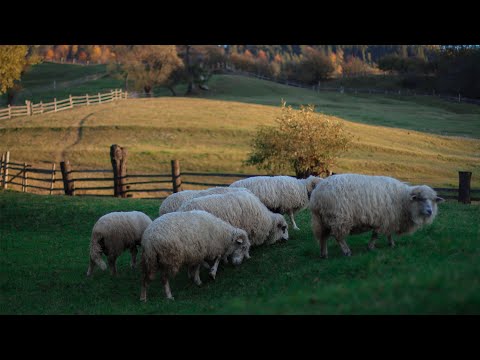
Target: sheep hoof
(323,256)
(144,299)
(296,228)
(212,275)
(171,298)
(198,283)
(349,253)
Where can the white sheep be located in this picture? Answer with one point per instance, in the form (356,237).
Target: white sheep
(281,194)
(114,233)
(244,210)
(174,201)
(188,238)
(352,204)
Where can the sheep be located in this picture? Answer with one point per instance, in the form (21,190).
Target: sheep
(187,238)
(281,194)
(174,201)
(352,204)
(244,210)
(114,233)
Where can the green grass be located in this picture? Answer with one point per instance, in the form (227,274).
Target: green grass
(426,114)
(37,83)
(44,258)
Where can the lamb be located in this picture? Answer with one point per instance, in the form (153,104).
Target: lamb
(281,194)
(114,233)
(174,201)
(353,204)
(187,238)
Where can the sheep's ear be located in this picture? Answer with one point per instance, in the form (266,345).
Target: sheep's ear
(239,240)
(439,200)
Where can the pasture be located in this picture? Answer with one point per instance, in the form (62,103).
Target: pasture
(45,239)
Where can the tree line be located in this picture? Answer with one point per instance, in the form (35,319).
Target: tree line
(448,69)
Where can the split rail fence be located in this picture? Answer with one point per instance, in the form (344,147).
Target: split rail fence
(116,181)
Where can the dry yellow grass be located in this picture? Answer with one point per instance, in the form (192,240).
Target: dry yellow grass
(214,136)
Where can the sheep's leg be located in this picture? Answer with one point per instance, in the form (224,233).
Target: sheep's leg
(321,235)
(213,270)
(225,259)
(166,285)
(91,266)
(191,270)
(112,264)
(341,241)
(391,241)
(146,278)
(196,278)
(295,227)
(371,244)
(206,265)
(133,262)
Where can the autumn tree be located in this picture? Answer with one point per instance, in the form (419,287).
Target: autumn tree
(302,140)
(314,66)
(355,67)
(12,62)
(149,65)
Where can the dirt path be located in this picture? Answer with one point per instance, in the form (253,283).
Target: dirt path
(78,138)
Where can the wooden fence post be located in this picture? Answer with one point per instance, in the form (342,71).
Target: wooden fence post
(9,111)
(99,98)
(68,182)
(2,159)
(55,104)
(41,107)
(464,178)
(118,156)
(176,176)
(5,169)
(25,178)
(71,102)
(53,178)
(88,101)
(29,107)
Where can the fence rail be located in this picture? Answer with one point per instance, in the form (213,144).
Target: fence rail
(341,89)
(121,184)
(30,108)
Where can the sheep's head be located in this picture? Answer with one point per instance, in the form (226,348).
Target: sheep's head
(423,204)
(241,246)
(311,182)
(279,230)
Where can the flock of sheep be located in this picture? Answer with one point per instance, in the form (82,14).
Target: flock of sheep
(203,227)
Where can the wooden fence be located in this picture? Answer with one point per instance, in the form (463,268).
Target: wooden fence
(117,182)
(342,89)
(59,105)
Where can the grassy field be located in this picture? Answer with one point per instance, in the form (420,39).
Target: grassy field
(44,247)
(37,83)
(214,136)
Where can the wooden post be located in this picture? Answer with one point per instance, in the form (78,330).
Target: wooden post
(176,177)
(55,104)
(68,182)
(5,169)
(29,108)
(2,159)
(118,156)
(99,99)
(9,112)
(464,178)
(53,178)
(88,101)
(113,95)
(71,101)
(25,177)
(41,107)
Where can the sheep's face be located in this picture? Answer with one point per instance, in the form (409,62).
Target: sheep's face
(423,204)
(280,229)
(241,246)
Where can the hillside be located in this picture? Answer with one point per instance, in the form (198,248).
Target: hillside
(213,135)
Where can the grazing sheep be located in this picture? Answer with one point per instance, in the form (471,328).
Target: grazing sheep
(174,201)
(352,204)
(244,210)
(114,233)
(188,238)
(281,194)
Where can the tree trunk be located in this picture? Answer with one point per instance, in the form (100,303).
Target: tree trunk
(148,90)
(189,71)
(172,90)
(10,97)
